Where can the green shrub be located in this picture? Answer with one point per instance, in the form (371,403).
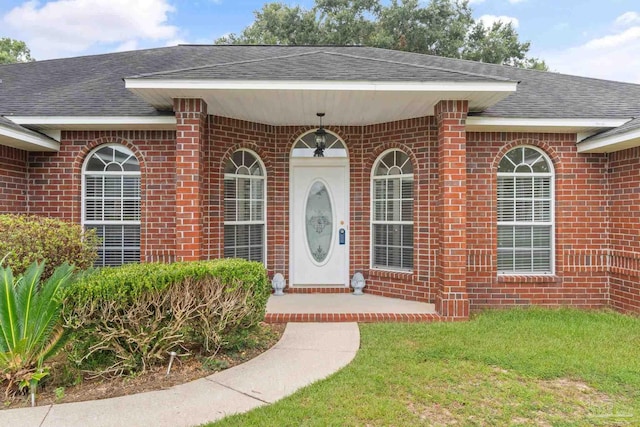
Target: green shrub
(30,327)
(27,239)
(127,318)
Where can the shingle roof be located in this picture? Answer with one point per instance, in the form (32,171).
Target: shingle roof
(544,94)
(93,86)
(321,65)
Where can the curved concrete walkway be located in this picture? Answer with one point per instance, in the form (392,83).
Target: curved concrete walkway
(307,352)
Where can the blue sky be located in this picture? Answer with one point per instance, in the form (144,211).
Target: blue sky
(584,37)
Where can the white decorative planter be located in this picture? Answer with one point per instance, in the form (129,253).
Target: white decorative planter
(278,284)
(357,283)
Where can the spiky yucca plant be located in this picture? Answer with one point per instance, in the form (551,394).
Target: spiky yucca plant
(30,327)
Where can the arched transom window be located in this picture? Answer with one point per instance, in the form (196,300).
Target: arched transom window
(111,203)
(244,207)
(392,216)
(306,146)
(525,212)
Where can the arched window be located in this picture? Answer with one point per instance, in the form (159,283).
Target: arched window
(306,146)
(525,212)
(111,203)
(392,216)
(244,207)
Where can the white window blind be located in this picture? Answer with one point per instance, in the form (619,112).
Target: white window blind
(244,207)
(525,212)
(392,212)
(111,203)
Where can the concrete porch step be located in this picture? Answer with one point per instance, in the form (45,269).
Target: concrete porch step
(345,307)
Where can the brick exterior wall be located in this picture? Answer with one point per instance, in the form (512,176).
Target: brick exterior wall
(273,144)
(13,180)
(191,131)
(418,138)
(55,183)
(624,231)
(452,300)
(596,210)
(580,277)
(225,137)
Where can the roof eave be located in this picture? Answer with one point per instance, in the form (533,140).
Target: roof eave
(584,127)
(297,102)
(610,144)
(402,86)
(59,123)
(11,136)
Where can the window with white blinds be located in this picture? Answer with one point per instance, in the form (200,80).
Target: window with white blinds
(392,212)
(111,203)
(525,212)
(244,207)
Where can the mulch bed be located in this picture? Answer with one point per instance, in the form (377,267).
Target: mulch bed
(183,370)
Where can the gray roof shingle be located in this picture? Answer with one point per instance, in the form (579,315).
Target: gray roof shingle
(93,85)
(320,65)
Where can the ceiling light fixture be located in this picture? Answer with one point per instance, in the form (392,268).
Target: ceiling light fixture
(321,138)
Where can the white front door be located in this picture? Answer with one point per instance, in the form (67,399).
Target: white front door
(319,222)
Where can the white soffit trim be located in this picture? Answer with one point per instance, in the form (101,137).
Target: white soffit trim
(96,122)
(611,143)
(346,103)
(25,140)
(508,124)
(320,85)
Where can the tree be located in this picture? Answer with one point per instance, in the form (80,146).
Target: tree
(14,51)
(277,23)
(499,44)
(347,22)
(442,27)
(437,29)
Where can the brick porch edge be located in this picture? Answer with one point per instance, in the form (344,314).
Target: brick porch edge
(353,317)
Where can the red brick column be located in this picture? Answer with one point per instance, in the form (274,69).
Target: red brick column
(191,120)
(452,300)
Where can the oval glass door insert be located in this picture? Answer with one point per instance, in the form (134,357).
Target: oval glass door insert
(319,221)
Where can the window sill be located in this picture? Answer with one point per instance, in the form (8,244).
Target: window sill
(523,278)
(390,274)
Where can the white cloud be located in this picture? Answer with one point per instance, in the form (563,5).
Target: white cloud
(627,19)
(482,1)
(126,46)
(489,20)
(176,42)
(614,56)
(70,27)
(613,41)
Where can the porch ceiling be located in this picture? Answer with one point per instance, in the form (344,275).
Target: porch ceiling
(296,103)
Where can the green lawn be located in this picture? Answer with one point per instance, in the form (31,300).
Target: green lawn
(518,367)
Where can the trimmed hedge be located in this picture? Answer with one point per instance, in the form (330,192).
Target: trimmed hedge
(30,238)
(132,316)
(126,283)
